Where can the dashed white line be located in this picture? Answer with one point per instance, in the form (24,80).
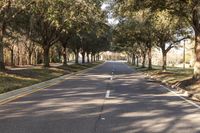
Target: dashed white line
(111,78)
(103,119)
(107,94)
(192,103)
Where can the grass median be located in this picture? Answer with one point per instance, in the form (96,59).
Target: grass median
(19,78)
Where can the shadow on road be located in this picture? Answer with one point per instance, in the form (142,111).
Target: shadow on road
(74,106)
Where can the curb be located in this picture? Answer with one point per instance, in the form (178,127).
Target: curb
(15,94)
(188,94)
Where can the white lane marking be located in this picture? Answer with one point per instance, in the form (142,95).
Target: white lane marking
(107,93)
(192,103)
(103,119)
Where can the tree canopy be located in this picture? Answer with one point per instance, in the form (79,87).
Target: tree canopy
(155,23)
(72,23)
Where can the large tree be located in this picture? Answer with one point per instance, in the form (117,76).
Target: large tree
(187,10)
(9,9)
(167,32)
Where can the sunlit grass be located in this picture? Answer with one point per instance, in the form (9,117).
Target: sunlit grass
(15,79)
(10,82)
(174,76)
(78,67)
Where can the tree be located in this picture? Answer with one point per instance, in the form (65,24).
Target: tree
(7,14)
(49,22)
(188,11)
(166,30)
(124,40)
(154,24)
(75,45)
(64,40)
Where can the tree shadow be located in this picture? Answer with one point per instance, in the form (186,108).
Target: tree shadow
(78,105)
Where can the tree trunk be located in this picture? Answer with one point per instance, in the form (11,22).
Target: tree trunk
(143,60)
(36,56)
(88,58)
(128,58)
(12,57)
(197,54)
(91,57)
(18,56)
(76,56)
(65,56)
(137,61)
(2,31)
(46,56)
(98,57)
(29,58)
(196,24)
(59,57)
(2,65)
(94,56)
(83,57)
(164,66)
(150,58)
(133,59)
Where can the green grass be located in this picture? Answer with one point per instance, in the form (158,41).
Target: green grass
(174,76)
(78,67)
(15,79)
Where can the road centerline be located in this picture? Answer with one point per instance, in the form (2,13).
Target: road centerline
(107,94)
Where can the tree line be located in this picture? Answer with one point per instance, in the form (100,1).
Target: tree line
(60,26)
(154,23)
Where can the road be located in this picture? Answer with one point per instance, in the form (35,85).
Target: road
(112,98)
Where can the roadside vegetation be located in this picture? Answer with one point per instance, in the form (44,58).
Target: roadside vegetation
(150,25)
(41,32)
(22,77)
(173,76)
(37,33)
(145,25)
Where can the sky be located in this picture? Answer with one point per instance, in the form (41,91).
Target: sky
(111,19)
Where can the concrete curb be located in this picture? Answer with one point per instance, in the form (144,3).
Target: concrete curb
(188,94)
(15,94)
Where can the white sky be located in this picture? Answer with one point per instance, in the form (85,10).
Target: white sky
(111,19)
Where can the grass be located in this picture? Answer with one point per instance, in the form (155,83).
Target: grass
(15,79)
(78,67)
(174,76)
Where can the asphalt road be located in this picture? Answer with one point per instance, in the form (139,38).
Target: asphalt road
(112,98)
